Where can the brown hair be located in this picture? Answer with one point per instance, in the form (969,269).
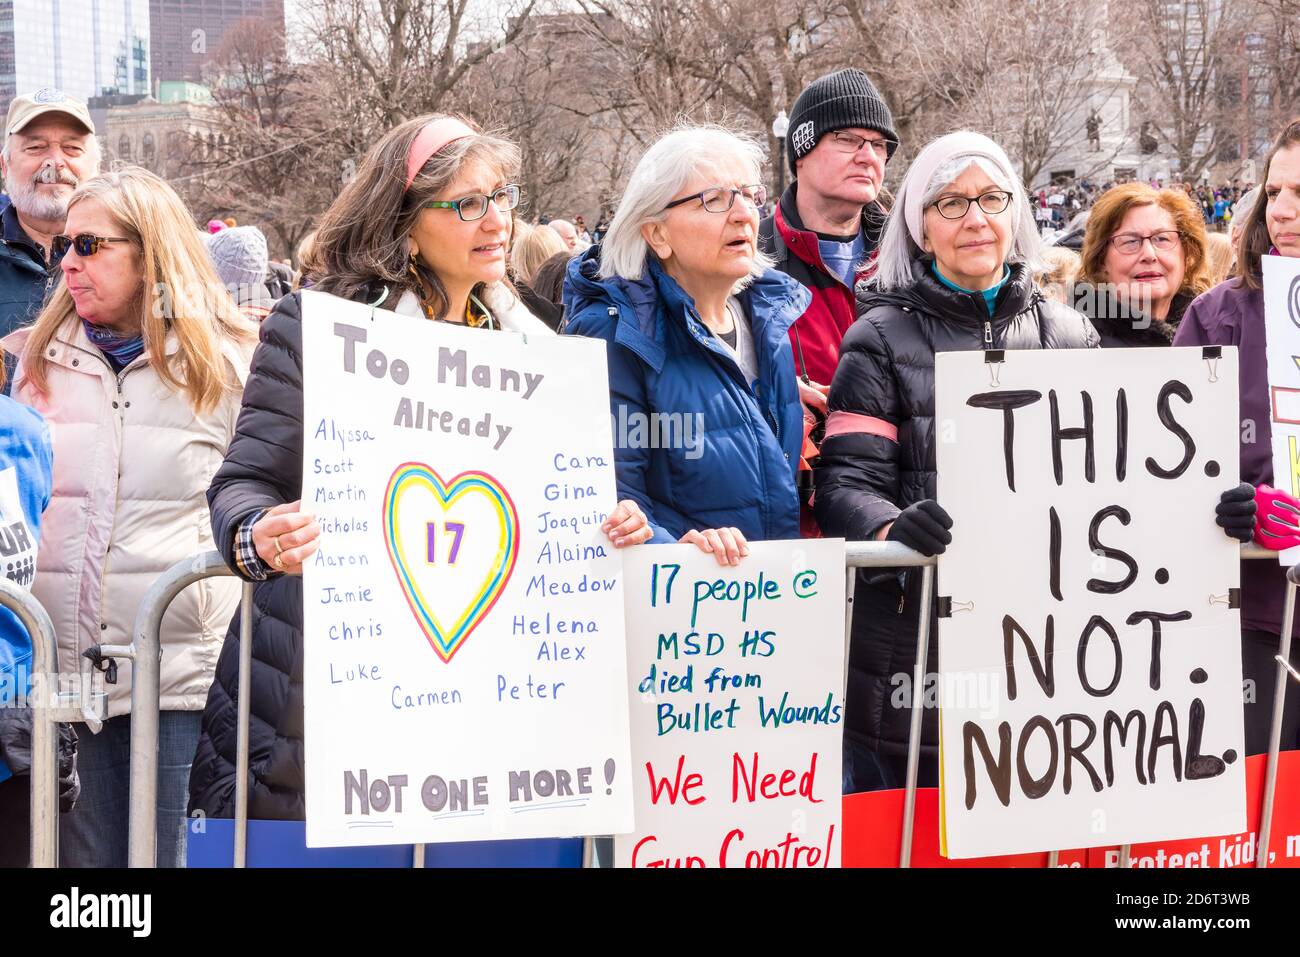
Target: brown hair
(548,281)
(180,291)
(1253,243)
(363,237)
(1114,204)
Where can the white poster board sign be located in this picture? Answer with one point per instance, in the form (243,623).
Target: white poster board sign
(1091,658)
(1282,332)
(463,618)
(736,679)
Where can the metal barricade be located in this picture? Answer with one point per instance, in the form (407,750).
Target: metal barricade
(45,733)
(145,653)
(146,650)
(50,706)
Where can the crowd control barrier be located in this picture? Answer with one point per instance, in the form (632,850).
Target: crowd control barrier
(145,652)
(50,707)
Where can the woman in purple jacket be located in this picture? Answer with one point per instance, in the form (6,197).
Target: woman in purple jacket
(1232,314)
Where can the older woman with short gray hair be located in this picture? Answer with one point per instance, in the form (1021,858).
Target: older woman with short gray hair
(708,425)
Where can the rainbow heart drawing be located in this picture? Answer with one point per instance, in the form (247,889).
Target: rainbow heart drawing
(453,545)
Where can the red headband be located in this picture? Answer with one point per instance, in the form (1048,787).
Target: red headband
(435,135)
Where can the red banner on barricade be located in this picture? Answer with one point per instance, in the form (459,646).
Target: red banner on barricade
(873,832)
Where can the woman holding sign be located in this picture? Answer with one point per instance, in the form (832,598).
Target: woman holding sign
(955,273)
(423,229)
(695,323)
(1232,314)
(1145,259)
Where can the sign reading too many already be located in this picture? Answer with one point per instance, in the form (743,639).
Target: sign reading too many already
(735,682)
(463,617)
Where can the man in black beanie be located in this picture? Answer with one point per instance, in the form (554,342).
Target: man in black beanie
(830,218)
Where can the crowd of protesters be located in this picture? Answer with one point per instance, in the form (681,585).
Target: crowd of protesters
(147,419)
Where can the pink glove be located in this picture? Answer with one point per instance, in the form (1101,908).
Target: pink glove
(1277,519)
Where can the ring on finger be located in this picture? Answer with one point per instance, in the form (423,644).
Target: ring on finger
(279,549)
(279,561)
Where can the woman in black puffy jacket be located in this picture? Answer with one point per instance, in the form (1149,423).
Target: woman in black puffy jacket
(955,273)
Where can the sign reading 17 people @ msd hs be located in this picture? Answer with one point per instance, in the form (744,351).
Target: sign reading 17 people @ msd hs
(463,627)
(1282,328)
(735,682)
(1089,631)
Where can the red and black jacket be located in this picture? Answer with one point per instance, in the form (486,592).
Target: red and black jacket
(815,337)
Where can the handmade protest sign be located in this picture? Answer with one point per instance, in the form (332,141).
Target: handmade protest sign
(1282,333)
(736,680)
(463,618)
(1089,632)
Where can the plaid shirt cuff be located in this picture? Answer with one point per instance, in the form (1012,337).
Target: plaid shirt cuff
(250,564)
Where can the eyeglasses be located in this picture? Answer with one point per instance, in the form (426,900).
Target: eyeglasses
(1130,243)
(846,142)
(990,203)
(85,244)
(719,199)
(474,207)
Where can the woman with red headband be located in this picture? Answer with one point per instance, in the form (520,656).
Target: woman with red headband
(423,229)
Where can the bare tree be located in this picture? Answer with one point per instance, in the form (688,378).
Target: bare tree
(266,161)
(1274,38)
(710,60)
(384,61)
(1186,52)
(1037,75)
(292,133)
(535,92)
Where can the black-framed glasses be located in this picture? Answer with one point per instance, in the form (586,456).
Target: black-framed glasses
(86,244)
(846,142)
(475,206)
(719,199)
(1161,241)
(990,203)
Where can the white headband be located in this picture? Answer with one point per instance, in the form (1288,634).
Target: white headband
(931,159)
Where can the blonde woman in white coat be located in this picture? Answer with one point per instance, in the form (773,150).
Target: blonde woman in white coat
(137,364)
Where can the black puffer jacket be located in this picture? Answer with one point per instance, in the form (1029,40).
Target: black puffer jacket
(886,373)
(263,468)
(1120,327)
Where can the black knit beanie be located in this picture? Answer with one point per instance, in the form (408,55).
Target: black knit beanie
(837,101)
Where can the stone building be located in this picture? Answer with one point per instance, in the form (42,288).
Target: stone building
(162,132)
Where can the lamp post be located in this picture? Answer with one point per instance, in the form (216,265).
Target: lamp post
(780,126)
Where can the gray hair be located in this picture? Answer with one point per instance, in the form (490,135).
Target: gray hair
(663,172)
(898,250)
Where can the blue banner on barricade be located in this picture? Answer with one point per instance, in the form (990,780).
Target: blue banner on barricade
(284,844)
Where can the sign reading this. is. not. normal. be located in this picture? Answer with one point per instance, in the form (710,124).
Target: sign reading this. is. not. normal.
(1089,631)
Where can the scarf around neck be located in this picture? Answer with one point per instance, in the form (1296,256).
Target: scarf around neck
(120,349)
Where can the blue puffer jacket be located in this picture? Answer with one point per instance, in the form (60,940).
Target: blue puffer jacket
(26,478)
(738,470)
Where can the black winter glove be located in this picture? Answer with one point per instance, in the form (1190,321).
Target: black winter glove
(922,527)
(16,752)
(1235,513)
(69,782)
